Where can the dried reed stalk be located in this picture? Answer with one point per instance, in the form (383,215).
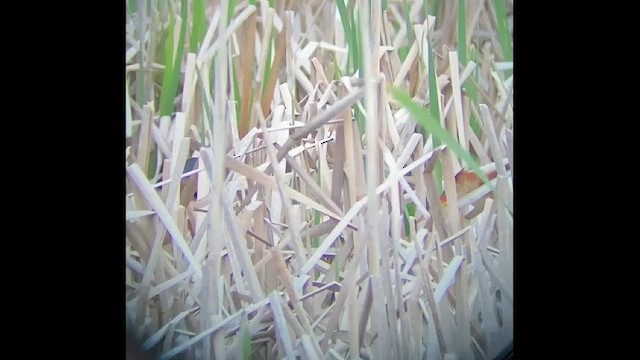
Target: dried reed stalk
(311,225)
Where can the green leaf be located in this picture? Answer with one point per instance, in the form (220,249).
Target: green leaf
(432,124)
(503,30)
(409,210)
(403,52)
(132,6)
(199,25)
(354,51)
(472,92)
(434,108)
(346,26)
(206,105)
(166,101)
(236,93)
(462,33)
(171,77)
(337,74)
(267,68)
(407,21)
(231,10)
(245,339)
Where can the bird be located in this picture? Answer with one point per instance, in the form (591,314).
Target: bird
(467,181)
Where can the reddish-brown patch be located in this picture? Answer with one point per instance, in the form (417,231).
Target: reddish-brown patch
(466,182)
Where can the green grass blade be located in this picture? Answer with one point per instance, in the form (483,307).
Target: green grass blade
(434,108)
(231,10)
(141,95)
(472,92)
(407,21)
(462,55)
(409,210)
(435,8)
(346,27)
(462,33)
(166,101)
(503,30)
(360,119)
(356,60)
(355,41)
(403,52)
(236,94)
(267,68)
(432,124)
(132,6)
(337,74)
(199,25)
(171,77)
(245,339)
(207,105)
